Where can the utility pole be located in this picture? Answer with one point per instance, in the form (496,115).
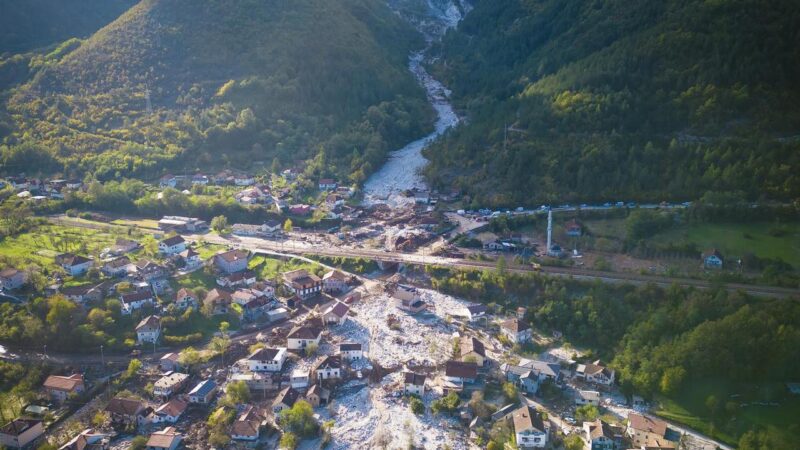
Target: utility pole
(45,351)
(549,229)
(148,104)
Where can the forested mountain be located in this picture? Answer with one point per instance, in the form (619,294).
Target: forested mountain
(622,99)
(229,82)
(27,24)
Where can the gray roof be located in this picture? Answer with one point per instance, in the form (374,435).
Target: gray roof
(203,388)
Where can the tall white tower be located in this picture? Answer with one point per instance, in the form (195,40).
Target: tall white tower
(549,230)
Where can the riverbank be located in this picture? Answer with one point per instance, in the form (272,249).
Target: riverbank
(401,172)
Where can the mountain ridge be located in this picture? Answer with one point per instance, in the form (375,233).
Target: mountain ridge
(599,96)
(262,80)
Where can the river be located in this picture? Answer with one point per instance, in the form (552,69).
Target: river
(401,172)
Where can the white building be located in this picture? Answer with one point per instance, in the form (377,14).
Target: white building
(517,331)
(351,351)
(74,265)
(596,373)
(414,383)
(299,378)
(529,428)
(266,360)
(336,314)
(583,397)
(302,283)
(148,330)
(135,300)
(301,336)
(328,367)
(169,412)
(169,384)
(172,245)
(203,393)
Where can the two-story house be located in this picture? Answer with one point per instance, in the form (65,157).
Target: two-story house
(599,435)
(265,360)
(117,267)
(185,299)
(59,388)
(414,383)
(596,372)
(472,350)
(172,245)
(517,331)
(644,431)
(232,261)
(136,300)
(74,265)
(218,302)
(459,373)
(351,351)
(336,313)
(334,281)
(328,367)
(302,283)
(169,384)
(191,259)
(303,335)
(529,428)
(149,330)
(407,298)
(327,184)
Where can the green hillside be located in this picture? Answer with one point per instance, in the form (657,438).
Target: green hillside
(621,99)
(231,82)
(28,24)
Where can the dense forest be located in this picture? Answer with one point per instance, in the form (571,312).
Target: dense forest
(30,24)
(665,343)
(610,99)
(230,83)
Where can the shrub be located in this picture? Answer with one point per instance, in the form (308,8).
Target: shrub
(417,407)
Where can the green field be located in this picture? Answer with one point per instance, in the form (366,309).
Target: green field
(689,408)
(43,243)
(198,278)
(734,240)
(610,229)
(272,268)
(207,250)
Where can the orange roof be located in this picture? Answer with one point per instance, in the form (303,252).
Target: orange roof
(67,384)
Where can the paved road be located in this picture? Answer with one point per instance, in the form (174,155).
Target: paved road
(299,247)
